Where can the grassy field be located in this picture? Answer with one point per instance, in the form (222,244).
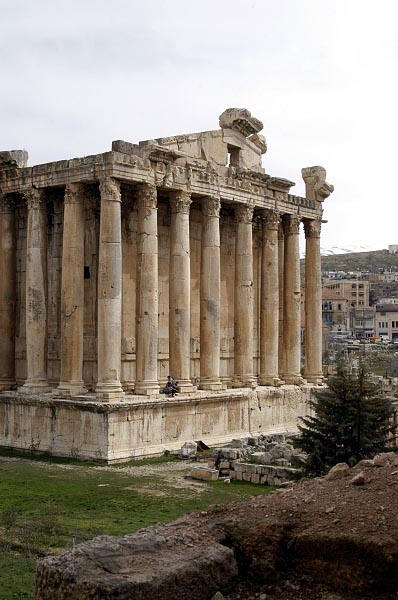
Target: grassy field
(48,505)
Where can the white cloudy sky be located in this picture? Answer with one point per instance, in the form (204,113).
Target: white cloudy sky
(320,74)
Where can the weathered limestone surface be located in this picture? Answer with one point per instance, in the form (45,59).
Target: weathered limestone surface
(109,293)
(244,298)
(269,315)
(313,303)
(72,293)
(210,311)
(291,302)
(7,293)
(36,294)
(120,268)
(88,428)
(179,286)
(190,565)
(281,264)
(148,295)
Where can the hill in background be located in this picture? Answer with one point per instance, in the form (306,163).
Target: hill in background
(374,261)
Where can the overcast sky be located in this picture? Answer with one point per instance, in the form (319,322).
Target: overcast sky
(320,74)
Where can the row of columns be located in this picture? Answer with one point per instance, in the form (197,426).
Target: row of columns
(280,325)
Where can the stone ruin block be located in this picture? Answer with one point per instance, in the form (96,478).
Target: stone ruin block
(204,474)
(188,450)
(241,443)
(224,464)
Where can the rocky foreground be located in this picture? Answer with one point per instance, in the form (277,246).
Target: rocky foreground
(330,538)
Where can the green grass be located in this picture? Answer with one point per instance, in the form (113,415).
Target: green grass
(47,506)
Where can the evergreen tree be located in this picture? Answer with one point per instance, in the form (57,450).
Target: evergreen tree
(350,421)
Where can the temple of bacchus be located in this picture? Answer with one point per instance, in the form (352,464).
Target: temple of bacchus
(172,256)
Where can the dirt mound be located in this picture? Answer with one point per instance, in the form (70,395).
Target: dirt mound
(329,538)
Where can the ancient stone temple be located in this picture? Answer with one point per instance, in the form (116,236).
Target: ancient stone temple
(171,256)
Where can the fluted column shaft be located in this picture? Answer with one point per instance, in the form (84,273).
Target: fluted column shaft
(147,292)
(180,292)
(7,293)
(210,296)
(36,293)
(269,303)
(292,302)
(72,293)
(281,264)
(109,388)
(313,302)
(244,299)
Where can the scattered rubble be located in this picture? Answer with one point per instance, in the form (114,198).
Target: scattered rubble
(265,460)
(318,539)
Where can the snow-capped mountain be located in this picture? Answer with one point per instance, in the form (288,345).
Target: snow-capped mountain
(344,250)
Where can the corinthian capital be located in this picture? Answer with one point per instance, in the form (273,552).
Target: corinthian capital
(73,193)
(147,196)
(180,202)
(292,224)
(34,198)
(243,213)
(110,189)
(270,219)
(312,228)
(6,204)
(211,207)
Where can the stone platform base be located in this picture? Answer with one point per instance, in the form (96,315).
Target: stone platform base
(84,428)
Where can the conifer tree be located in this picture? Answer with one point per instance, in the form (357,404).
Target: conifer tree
(350,421)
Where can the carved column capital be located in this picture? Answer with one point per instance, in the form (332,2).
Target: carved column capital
(7,204)
(281,230)
(291,224)
(270,219)
(110,189)
(73,193)
(312,228)
(211,206)
(147,196)
(180,202)
(244,213)
(34,198)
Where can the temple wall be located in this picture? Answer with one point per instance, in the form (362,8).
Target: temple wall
(90,429)
(195,235)
(20,305)
(91,236)
(129,265)
(227,241)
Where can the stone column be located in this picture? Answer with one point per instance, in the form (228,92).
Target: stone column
(281,262)
(269,302)
(180,292)
(313,302)
(7,293)
(210,296)
(109,388)
(36,294)
(292,302)
(72,293)
(147,292)
(244,300)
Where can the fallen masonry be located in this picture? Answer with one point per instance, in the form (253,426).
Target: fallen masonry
(330,533)
(266,460)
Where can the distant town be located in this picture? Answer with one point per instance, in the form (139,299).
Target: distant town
(360,306)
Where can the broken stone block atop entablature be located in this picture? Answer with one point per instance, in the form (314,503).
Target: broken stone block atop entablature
(14,158)
(240,119)
(237,144)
